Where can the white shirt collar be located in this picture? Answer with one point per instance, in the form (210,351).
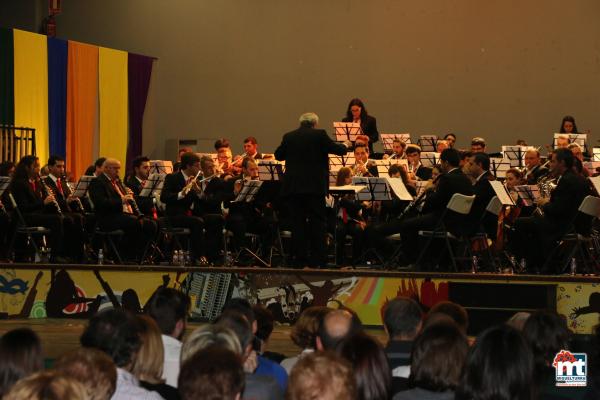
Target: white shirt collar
(479,177)
(54,178)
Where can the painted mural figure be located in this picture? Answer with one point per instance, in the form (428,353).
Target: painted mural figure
(322,294)
(62,293)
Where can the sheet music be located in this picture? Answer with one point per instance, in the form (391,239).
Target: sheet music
(82,185)
(596,154)
(338,162)
(528,193)
(248,191)
(502,193)
(515,154)
(596,182)
(499,166)
(579,138)
(399,188)
(161,166)
(387,139)
(4,182)
(153,184)
(428,143)
(429,158)
(347,131)
(377,188)
(347,188)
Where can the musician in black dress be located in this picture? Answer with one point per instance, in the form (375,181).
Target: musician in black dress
(357,112)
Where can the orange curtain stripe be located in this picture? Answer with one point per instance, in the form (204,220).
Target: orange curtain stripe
(82,106)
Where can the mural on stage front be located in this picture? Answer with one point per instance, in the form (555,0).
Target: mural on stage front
(80,294)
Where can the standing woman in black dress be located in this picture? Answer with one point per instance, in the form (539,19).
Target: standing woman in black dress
(357,112)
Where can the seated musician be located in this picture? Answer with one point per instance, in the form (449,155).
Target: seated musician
(578,154)
(136,181)
(450,138)
(363,167)
(534,169)
(441,145)
(115,208)
(38,208)
(350,222)
(416,170)
(452,181)
(534,237)
(392,208)
(226,167)
(477,165)
(398,147)
(478,145)
(254,217)
(562,141)
(97,168)
(70,206)
(251,148)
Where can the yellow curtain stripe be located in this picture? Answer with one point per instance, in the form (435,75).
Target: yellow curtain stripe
(31,87)
(113,93)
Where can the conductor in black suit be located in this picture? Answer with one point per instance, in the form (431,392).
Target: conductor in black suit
(357,112)
(534,237)
(305,152)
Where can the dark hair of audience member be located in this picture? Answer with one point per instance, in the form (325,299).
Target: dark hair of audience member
(322,375)
(499,367)
(438,357)
(20,356)
(547,334)
(454,311)
(238,323)
(47,385)
(371,369)
(92,368)
(402,317)
(212,373)
(264,322)
(166,307)
(241,306)
(306,328)
(115,332)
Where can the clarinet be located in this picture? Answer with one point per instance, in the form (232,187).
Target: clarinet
(132,202)
(47,192)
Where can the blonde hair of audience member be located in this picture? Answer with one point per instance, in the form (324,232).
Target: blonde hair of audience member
(149,360)
(208,335)
(344,176)
(321,376)
(306,328)
(518,320)
(47,385)
(94,369)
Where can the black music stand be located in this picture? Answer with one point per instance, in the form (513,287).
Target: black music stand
(347,131)
(270,170)
(387,139)
(499,166)
(427,143)
(82,186)
(528,193)
(515,154)
(4,183)
(161,167)
(377,189)
(153,185)
(429,158)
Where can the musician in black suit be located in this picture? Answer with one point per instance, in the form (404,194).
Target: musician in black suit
(251,148)
(357,112)
(306,183)
(363,166)
(533,167)
(37,208)
(136,181)
(451,182)
(416,170)
(534,237)
(115,209)
(477,166)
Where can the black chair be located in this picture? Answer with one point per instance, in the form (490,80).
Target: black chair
(30,232)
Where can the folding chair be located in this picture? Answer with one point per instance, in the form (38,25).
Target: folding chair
(30,232)
(494,207)
(460,204)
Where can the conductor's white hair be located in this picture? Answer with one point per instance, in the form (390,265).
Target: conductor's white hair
(309,119)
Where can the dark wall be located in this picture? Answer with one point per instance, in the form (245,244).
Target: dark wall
(23,14)
(499,69)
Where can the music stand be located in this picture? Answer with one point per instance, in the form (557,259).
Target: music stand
(427,143)
(382,167)
(596,154)
(387,139)
(270,170)
(528,193)
(579,138)
(502,193)
(161,167)
(248,191)
(4,183)
(153,185)
(429,158)
(399,189)
(347,131)
(82,185)
(595,182)
(499,166)
(516,155)
(378,189)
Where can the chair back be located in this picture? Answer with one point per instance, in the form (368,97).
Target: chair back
(15,206)
(494,206)
(590,206)
(460,203)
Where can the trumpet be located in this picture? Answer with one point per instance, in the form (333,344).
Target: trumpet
(48,192)
(362,169)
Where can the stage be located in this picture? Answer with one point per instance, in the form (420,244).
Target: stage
(58,292)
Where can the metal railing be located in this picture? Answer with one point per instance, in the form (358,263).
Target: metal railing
(16,142)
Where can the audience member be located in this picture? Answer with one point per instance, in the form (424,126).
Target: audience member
(499,367)
(454,311)
(264,327)
(116,332)
(212,373)
(335,327)
(371,369)
(20,356)
(304,334)
(518,320)
(92,368)
(47,385)
(209,335)
(437,362)
(322,376)
(170,308)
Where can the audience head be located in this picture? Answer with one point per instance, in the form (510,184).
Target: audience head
(321,376)
(547,334)
(532,158)
(451,139)
(169,308)
(344,176)
(450,158)
(568,125)
(371,369)
(356,110)
(438,357)
(47,385)
(7,168)
(239,325)
(250,146)
(361,153)
(190,163)
(149,359)
(518,320)
(141,167)
(243,307)
(453,310)
(212,373)
(306,328)
(56,166)
(20,356)
(92,368)
(115,332)
(309,120)
(562,160)
(335,327)
(499,367)
(264,324)
(210,335)
(402,318)
(513,178)
(478,145)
